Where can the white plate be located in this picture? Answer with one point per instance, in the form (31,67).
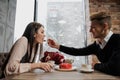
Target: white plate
(73,69)
(84,70)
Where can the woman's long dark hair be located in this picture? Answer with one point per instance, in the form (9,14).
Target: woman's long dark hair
(29,32)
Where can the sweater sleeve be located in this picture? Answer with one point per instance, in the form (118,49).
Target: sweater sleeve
(14,66)
(79,51)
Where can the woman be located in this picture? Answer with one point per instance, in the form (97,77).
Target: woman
(24,50)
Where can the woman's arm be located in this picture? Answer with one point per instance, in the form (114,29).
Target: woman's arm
(15,67)
(18,51)
(44,66)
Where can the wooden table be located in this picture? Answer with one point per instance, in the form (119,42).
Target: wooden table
(60,75)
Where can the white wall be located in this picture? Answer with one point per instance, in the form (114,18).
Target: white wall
(24,15)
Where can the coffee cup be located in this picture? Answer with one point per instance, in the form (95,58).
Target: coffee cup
(69,61)
(86,66)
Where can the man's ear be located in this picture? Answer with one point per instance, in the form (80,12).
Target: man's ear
(106,26)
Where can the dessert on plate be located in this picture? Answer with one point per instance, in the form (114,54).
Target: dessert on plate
(65,66)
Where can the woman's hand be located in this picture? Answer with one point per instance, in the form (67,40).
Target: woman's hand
(47,67)
(53,44)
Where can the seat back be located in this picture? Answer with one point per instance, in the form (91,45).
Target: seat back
(3,57)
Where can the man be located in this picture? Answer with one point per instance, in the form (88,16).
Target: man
(106,47)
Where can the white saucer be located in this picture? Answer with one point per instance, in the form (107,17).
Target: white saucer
(73,69)
(85,70)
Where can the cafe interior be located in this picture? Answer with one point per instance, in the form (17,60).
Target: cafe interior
(65,21)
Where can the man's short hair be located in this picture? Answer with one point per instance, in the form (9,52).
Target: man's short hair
(101,18)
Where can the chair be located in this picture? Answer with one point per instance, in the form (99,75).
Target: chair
(3,57)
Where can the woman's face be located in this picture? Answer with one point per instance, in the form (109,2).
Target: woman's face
(39,36)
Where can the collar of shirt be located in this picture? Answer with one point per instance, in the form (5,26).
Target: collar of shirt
(104,42)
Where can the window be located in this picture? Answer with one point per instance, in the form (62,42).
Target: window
(65,22)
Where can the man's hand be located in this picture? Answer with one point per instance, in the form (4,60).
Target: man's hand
(53,44)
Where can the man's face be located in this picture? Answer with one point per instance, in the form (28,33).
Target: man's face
(97,30)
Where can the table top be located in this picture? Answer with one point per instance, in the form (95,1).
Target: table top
(62,75)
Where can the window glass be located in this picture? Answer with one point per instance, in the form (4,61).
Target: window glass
(64,21)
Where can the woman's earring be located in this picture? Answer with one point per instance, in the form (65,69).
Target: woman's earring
(34,35)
